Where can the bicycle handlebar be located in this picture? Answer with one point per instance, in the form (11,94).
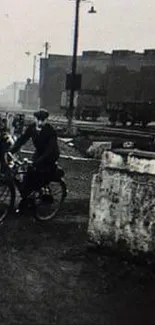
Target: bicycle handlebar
(8,157)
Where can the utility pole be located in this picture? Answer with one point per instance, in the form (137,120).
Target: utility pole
(28,81)
(74,66)
(46,49)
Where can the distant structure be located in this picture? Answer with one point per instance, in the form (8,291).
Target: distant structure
(92,65)
(9,96)
(29,96)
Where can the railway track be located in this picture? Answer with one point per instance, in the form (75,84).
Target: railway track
(102,128)
(99,128)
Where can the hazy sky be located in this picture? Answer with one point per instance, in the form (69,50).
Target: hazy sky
(26,24)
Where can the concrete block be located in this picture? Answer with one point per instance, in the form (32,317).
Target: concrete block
(122,203)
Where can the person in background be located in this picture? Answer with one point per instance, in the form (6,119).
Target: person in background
(18,124)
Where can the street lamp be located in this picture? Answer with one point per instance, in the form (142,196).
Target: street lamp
(28,82)
(74,60)
(34,63)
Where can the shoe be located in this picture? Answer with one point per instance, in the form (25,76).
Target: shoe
(47,198)
(24,205)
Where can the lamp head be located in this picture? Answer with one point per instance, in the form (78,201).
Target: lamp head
(92,10)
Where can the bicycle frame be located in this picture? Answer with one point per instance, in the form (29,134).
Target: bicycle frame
(11,171)
(43,207)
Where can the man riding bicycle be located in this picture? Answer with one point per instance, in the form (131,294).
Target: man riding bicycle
(46,154)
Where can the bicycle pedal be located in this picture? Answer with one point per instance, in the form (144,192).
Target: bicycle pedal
(18,213)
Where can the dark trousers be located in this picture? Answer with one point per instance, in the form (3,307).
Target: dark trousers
(35,179)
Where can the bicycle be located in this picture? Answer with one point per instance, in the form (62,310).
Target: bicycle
(11,178)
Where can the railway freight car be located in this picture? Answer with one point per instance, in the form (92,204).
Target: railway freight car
(88,103)
(130,95)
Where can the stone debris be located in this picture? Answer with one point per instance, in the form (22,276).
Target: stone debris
(67,148)
(97,148)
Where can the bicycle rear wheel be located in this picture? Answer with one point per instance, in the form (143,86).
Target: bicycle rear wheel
(47,206)
(7,198)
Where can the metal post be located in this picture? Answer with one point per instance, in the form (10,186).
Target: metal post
(34,68)
(74,65)
(27,97)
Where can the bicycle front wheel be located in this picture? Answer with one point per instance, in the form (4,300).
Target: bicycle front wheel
(7,198)
(47,205)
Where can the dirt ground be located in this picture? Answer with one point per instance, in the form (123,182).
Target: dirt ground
(50,275)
